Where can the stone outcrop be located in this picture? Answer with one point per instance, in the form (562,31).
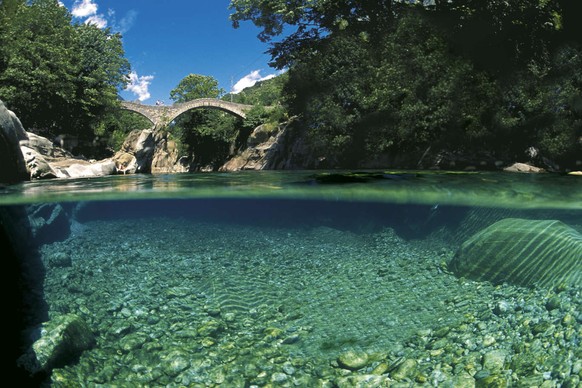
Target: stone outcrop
(166,158)
(522,252)
(12,164)
(61,340)
(273,147)
(262,146)
(146,151)
(523,167)
(46,160)
(48,222)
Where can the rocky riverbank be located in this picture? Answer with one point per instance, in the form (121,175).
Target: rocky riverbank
(25,155)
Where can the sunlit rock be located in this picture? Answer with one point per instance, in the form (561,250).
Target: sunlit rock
(37,165)
(263,145)
(147,150)
(60,341)
(523,167)
(46,160)
(522,252)
(84,169)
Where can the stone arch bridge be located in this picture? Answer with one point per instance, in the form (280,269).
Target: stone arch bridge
(162,115)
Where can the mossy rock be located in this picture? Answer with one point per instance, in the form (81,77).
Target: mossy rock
(353,360)
(61,341)
(522,252)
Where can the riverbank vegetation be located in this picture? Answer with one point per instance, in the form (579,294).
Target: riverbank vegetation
(61,78)
(370,78)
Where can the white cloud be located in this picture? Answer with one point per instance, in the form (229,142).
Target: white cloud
(139,85)
(87,9)
(84,8)
(126,22)
(97,20)
(249,80)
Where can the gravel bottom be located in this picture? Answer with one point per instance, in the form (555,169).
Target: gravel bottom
(175,302)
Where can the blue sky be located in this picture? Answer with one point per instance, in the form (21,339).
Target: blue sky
(167,40)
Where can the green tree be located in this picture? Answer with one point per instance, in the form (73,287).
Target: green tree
(38,81)
(58,77)
(312,21)
(195,86)
(518,28)
(267,99)
(102,70)
(360,99)
(542,108)
(499,35)
(265,93)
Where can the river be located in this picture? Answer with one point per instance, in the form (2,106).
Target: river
(299,278)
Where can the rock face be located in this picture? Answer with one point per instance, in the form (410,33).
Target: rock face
(273,148)
(522,252)
(12,164)
(62,339)
(523,167)
(48,222)
(45,160)
(147,151)
(262,146)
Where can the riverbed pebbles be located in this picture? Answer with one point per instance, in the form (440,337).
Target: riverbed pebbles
(184,303)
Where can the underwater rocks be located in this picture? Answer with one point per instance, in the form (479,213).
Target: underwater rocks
(522,252)
(529,345)
(189,304)
(61,341)
(353,360)
(48,222)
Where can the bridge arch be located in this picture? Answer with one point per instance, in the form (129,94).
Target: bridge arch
(162,115)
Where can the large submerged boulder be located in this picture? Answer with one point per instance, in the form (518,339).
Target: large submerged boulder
(60,341)
(522,252)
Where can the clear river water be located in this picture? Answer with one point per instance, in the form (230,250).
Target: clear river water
(296,279)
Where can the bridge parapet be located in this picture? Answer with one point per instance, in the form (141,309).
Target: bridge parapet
(161,115)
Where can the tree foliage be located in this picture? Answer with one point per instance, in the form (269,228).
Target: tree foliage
(267,99)
(360,99)
(371,77)
(265,93)
(195,86)
(57,76)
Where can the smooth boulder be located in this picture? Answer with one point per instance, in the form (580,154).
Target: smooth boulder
(522,252)
(12,164)
(61,340)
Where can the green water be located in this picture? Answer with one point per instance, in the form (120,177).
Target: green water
(274,279)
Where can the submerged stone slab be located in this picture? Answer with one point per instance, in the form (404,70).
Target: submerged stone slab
(62,340)
(522,252)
